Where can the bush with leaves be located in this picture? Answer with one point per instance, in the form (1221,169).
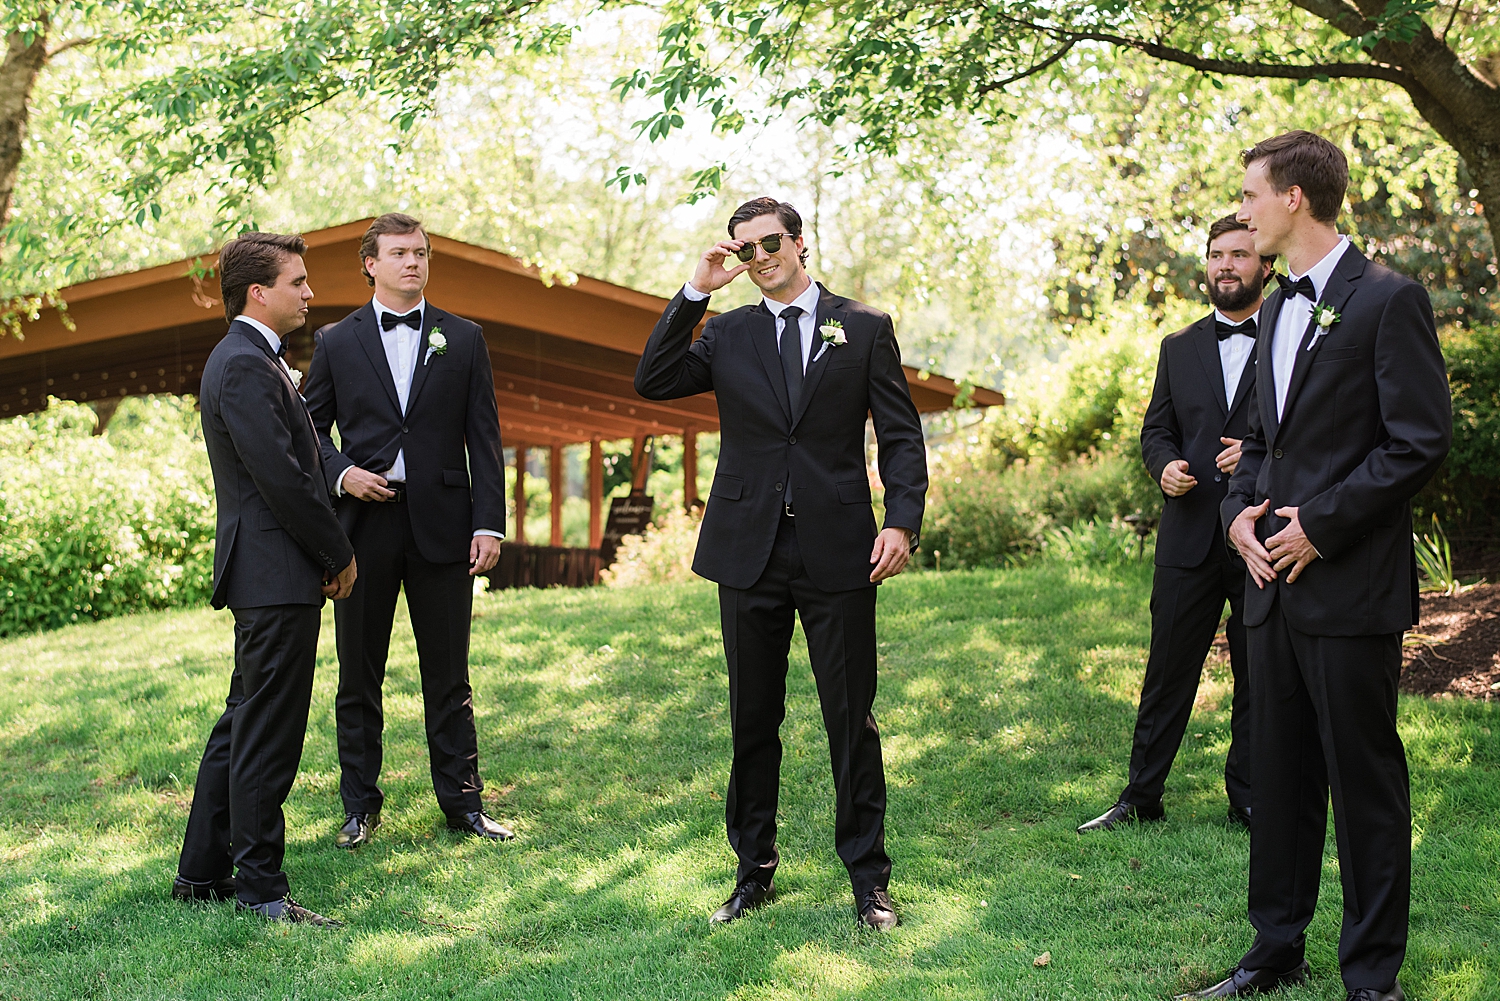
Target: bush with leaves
(98,525)
(663,555)
(1465,493)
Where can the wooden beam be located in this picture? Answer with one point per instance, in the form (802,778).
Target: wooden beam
(556,474)
(519,535)
(596,494)
(689,467)
(640,462)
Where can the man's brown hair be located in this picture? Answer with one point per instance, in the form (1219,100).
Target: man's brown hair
(1229,224)
(1310,162)
(253,259)
(789,217)
(390,224)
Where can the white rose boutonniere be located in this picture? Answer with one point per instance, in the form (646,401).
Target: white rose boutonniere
(296,377)
(437,344)
(832,332)
(1324,316)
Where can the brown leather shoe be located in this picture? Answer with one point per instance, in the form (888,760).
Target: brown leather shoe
(214,889)
(357,829)
(1243,983)
(876,910)
(746,897)
(287,909)
(481,825)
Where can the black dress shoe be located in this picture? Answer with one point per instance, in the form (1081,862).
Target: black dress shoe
(877,911)
(1243,983)
(357,830)
(1240,815)
(1371,994)
(213,889)
(287,909)
(1122,813)
(746,897)
(481,825)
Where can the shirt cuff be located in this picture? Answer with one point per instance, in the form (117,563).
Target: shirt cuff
(691,294)
(490,532)
(338,486)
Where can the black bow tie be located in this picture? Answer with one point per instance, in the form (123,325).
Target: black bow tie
(1228,330)
(1302,286)
(390,321)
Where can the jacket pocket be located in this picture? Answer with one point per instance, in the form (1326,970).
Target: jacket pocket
(854,491)
(727,487)
(455,477)
(1337,354)
(267,522)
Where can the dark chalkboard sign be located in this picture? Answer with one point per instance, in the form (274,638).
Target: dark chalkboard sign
(627,516)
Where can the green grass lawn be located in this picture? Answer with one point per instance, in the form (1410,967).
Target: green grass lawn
(1006,705)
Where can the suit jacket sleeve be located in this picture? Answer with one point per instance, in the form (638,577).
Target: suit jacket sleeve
(482,438)
(1416,409)
(1161,435)
(1252,455)
(898,430)
(253,407)
(673,364)
(322,404)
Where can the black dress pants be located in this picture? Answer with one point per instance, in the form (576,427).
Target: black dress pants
(840,629)
(252,755)
(440,597)
(1185,609)
(1323,712)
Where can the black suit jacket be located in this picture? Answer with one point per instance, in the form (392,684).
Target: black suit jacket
(450,433)
(277,539)
(1368,420)
(1187,416)
(821,445)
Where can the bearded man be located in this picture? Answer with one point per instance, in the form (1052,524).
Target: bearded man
(1191,443)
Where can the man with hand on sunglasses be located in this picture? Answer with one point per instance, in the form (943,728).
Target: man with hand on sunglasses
(789,529)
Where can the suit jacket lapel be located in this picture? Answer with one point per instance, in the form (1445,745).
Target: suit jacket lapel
(367,332)
(763,335)
(1270,312)
(828,309)
(258,339)
(1207,341)
(431,317)
(1247,379)
(1335,294)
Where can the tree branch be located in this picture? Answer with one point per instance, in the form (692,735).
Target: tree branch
(72,43)
(1031,71)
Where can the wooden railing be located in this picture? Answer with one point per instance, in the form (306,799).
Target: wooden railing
(544,566)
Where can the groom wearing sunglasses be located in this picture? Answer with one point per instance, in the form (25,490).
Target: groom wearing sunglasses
(789,530)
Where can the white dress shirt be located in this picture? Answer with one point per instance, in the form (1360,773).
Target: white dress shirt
(273,340)
(807,322)
(1234,352)
(1291,323)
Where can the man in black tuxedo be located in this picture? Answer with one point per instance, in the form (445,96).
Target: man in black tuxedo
(1352,417)
(789,529)
(1190,440)
(278,554)
(421,491)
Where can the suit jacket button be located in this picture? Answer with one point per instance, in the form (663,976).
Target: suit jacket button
(792,440)
(1276,454)
(405,429)
(1217,477)
(778,488)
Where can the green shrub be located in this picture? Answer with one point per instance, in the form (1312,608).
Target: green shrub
(94,526)
(1465,493)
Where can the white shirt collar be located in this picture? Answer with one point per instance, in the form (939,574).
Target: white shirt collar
(1235,323)
(381,307)
(1323,270)
(807,301)
(266,332)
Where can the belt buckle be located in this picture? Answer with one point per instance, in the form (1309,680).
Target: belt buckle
(788,509)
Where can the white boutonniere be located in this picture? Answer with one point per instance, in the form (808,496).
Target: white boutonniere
(437,344)
(296,377)
(832,332)
(1324,316)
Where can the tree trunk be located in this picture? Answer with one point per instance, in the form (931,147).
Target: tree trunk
(17,78)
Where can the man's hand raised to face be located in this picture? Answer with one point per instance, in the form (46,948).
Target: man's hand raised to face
(712,273)
(891,553)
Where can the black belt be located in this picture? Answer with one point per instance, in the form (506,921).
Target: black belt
(399,489)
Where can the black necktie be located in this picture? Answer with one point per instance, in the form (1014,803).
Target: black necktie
(791,354)
(390,321)
(1302,286)
(1228,330)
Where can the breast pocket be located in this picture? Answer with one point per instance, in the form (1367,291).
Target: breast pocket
(1346,353)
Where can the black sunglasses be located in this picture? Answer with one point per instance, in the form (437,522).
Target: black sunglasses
(772,244)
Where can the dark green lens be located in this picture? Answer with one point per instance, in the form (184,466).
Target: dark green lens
(746,253)
(772,244)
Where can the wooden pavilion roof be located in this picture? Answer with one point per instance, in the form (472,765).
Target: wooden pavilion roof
(564,355)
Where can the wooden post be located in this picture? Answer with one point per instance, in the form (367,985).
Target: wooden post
(640,463)
(596,494)
(555,473)
(519,535)
(689,467)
